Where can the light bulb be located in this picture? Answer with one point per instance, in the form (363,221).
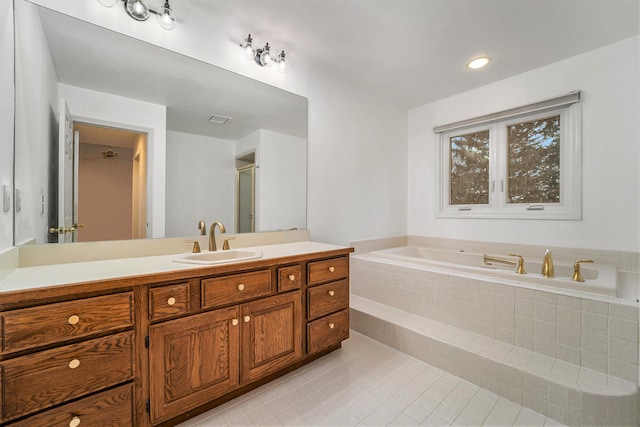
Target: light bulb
(247,48)
(282,64)
(137,9)
(480,62)
(265,56)
(166,18)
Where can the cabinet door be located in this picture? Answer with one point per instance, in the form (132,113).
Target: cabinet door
(271,335)
(192,360)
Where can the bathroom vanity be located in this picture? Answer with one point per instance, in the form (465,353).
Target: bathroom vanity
(159,347)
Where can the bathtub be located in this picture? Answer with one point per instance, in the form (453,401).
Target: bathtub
(599,278)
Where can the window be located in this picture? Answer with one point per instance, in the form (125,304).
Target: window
(522,163)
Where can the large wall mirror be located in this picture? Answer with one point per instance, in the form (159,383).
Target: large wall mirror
(116,138)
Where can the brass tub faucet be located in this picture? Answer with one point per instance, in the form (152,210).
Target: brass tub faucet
(547,265)
(520,263)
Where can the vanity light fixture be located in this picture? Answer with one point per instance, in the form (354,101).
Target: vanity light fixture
(140,11)
(478,62)
(263,57)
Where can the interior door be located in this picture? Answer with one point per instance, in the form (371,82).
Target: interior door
(66,175)
(246,199)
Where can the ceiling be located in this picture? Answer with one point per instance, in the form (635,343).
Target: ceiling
(413,52)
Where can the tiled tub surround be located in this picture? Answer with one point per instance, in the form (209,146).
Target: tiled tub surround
(571,356)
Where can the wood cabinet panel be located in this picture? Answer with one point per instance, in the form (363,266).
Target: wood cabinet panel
(194,360)
(236,288)
(271,334)
(325,299)
(33,327)
(111,408)
(327,270)
(170,300)
(40,380)
(289,278)
(327,331)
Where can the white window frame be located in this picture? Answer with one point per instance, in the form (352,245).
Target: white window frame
(570,205)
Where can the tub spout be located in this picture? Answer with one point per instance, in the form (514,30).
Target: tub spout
(547,265)
(520,263)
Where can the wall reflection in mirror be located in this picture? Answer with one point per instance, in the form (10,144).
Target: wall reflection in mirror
(113,139)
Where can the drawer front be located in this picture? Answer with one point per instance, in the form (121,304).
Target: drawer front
(327,331)
(113,408)
(289,278)
(38,381)
(325,299)
(225,290)
(327,270)
(47,324)
(167,301)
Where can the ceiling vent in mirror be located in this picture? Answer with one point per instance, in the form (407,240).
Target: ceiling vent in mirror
(216,118)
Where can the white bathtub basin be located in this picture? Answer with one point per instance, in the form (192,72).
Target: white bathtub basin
(599,278)
(219,257)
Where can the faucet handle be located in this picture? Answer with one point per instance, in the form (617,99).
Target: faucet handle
(196,246)
(225,244)
(577,276)
(520,269)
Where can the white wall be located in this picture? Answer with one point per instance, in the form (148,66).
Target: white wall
(36,129)
(7,96)
(283,182)
(201,183)
(609,80)
(356,142)
(117,111)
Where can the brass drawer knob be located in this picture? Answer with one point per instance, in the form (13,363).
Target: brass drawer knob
(292,277)
(171,301)
(331,326)
(331,293)
(246,319)
(241,287)
(73,319)
(234,322)
(331,269)
(74,364)
(75,422)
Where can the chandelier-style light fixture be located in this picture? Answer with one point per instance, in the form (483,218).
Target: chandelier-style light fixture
(140,11)
(263,56)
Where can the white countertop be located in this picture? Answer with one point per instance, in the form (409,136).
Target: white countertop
(59,274)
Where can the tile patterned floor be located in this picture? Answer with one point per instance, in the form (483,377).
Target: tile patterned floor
(369,384)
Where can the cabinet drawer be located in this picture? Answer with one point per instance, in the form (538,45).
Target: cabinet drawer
(40,380)
(167,301)
(327,331)
(47,324)
(109,408)
(220,291)
(289,278)
(325,299)
(327,270)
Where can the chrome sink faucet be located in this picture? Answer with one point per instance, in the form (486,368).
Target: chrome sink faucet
(212,235)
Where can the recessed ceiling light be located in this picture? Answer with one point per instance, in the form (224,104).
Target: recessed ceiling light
(479,62)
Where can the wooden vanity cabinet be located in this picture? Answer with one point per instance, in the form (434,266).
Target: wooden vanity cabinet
(154,350)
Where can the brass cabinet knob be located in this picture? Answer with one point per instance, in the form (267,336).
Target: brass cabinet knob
(292,277)
(171,301)
(331,326)
(241,287)
(73,319)
(75,422)
(246,319)
(74,364)
(331,293)
(234,322)
(331,269)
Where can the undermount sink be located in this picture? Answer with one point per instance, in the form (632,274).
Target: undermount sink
(219,257)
